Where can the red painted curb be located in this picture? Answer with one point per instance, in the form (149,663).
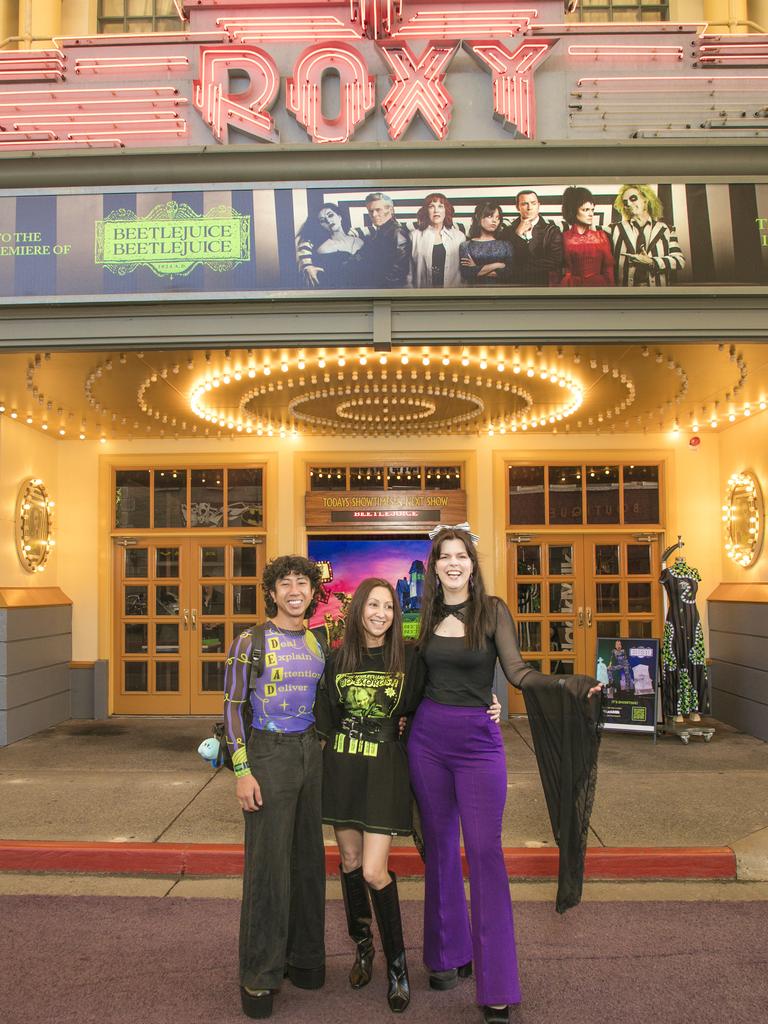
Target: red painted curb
(211,859)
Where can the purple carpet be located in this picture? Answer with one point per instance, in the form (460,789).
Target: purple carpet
(73,960)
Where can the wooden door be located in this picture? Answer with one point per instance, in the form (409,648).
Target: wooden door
(622,596)
(178,604)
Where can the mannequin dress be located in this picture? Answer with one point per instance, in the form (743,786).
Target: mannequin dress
(683,659)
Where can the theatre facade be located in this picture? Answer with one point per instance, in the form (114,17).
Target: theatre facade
(291,277)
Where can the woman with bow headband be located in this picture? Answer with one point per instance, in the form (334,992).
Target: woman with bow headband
(459,775)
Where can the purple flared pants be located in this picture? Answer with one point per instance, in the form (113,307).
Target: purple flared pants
(459,774)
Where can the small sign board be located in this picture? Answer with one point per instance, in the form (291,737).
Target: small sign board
(628,668)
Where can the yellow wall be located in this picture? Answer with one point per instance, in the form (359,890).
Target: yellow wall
(744,446)
(25,454)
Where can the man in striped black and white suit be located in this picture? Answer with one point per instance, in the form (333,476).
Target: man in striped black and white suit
(645,249)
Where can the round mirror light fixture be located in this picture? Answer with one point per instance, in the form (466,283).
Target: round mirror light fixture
(34,525)
(743,518)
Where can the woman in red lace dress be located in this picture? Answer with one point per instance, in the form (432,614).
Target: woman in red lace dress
(586,249)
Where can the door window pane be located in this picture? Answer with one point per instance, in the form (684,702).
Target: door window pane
(167,563)
(212,638)
(561,636)
(607,598)
(170,497)
(167,601)
(638,559)
(136,677)
(606,559)
(207,504)
(136,563)
(608,628)
(213,676)
(641,494)
(602,494)
(212,562)
(243,600)
(244,562)
(212,599)
(560,597)
(167,676)
(560,560)
(135,638)
(640,629)
(529,598)
(639,597)
(131,499)
(561,668)
(135,600)
(528,560)
(565,506)
(167,638)
(529,636)
(244,497)
(526,495)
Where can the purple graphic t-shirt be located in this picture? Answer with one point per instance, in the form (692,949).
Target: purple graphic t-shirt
(283,696)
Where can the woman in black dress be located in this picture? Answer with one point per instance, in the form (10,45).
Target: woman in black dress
(366,791)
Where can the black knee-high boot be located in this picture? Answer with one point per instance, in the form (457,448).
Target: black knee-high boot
(386,906)
(358,909)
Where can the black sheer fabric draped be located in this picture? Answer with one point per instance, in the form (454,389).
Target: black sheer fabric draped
(565,728)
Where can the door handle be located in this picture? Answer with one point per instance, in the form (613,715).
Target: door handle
(589,617)
(186,618)
(194,618)
(580,616)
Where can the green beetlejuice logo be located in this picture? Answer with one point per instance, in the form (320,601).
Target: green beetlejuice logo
(172,240)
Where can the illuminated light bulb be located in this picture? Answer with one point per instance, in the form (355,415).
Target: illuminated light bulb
(731,417)
(490,431)
(483,364)
(82,437)
(267,369)
(44,426)
(363,361)
(342,361)
(301,364)
(284,366)
(465,360)
(404,359)
(14,415)
(747,411)
(102,440)
(226,378)
(676,428)
(446,361)
(425,361)
(216,382)
(695,427)
(28,419)
(251,373)
(530,372)
(500,366)
(2,408)
(713,422)
(62,431)
(383,360)
(238,375)
(544,374)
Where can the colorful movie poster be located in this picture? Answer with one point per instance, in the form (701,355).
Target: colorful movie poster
(628,671)
(348,560)
(246,241)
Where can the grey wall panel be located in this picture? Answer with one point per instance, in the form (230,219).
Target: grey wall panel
(17,723)
(101,691)
(24,655)
(737,649)
(732,617)
(26,687)
(750,683)
(742,714)
(81,692)
(26,623)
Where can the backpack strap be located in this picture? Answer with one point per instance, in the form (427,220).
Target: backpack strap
(258,642)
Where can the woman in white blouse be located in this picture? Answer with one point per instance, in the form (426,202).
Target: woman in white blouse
(435,243)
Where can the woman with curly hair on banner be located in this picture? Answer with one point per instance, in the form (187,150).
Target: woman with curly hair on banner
(327,252)
(435,243)
(646,251)
(587,251)
(486,258)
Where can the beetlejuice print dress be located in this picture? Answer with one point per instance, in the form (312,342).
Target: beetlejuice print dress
(683,660)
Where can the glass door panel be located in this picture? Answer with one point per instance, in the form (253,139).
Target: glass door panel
(227,599)
(150,622)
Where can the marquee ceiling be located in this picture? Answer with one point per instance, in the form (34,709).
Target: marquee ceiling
(406,392)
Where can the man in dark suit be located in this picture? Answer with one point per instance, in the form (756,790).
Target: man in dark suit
(386,253)
(537,245)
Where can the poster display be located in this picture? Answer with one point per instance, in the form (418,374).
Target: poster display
(346,561)
(628,670)
(248,241)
